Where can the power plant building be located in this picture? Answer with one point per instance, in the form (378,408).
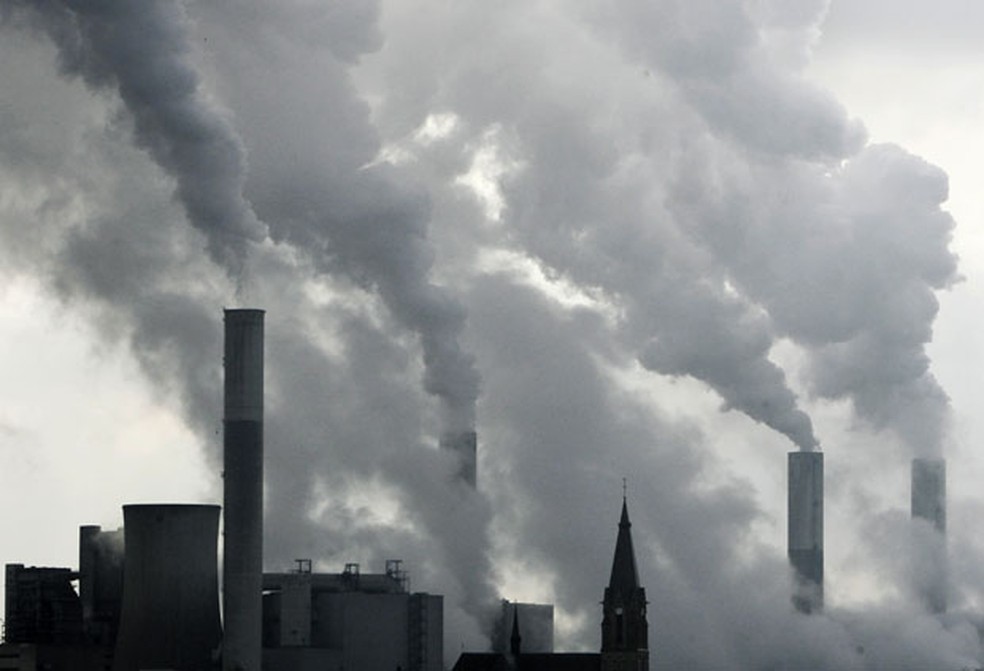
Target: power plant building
(165,607)
(350,620)
(148,594)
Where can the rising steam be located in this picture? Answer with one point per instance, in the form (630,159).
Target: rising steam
(679,199)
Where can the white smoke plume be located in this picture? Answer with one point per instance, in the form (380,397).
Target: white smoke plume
(625,196)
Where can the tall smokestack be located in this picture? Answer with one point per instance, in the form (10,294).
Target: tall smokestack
(929,504)
(464,445)
(805,537)
(242,595)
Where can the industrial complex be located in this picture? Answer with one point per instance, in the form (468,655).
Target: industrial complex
(148,596)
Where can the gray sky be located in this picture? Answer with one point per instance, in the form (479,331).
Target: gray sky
(669,241)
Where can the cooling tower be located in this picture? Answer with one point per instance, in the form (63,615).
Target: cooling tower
(465,447)
(805,531)
(170,615)
(929,503)
(243,484)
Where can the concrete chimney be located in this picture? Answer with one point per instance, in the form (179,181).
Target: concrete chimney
(170,614)
(464,445)
(805,531)
(242,595)
(928,500)
(101,556)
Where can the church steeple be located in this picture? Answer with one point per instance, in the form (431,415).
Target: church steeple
(624,629)
(625,575)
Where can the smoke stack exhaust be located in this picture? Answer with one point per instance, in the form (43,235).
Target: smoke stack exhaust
(805,530)
(464,445)
(929,504)
(242,595)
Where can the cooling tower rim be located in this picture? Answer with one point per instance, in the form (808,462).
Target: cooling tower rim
(171,506)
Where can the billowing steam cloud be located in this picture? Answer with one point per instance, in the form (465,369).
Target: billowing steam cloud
(141,52)
(644,190)
(374,234)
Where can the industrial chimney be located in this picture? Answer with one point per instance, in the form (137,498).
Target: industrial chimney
(464,445)
(170,614)
(928,500)
(242,596)
(805,531)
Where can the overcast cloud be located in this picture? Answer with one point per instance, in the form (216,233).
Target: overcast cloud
(631,239)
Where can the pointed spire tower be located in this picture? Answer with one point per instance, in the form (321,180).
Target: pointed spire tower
(624,629)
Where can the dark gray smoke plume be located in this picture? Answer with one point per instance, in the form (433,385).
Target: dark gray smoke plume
(141,51)
(643,205)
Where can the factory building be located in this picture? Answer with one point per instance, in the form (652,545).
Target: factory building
(350,620)
(165,607)
(42,606)
(50,625)
(148,594)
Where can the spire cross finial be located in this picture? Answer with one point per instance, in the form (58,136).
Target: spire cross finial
(625,488)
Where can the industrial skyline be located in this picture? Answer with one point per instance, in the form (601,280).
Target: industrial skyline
(662,240)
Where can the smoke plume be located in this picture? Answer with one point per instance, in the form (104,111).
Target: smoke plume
(647,208)
(358,222)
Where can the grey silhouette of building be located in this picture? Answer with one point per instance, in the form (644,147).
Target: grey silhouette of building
(44,626)
(350,620)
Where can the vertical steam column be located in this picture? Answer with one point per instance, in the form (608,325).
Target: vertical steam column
(805,539)
(929,504)
(465,447)
(242,595)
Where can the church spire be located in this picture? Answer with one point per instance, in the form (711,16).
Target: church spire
(624,629)
(625,575)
